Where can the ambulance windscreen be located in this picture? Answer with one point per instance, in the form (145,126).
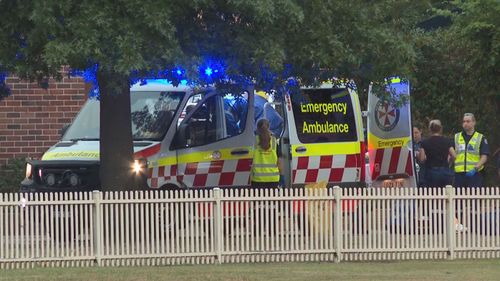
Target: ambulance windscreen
(151,116)
(324,115)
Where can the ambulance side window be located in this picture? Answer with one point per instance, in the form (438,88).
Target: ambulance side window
(235,113)
(201,127)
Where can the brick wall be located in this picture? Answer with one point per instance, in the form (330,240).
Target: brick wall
(31,117)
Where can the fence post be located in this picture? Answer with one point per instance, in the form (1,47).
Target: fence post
(450,221)
(337,225)
(97,218)
(218,224)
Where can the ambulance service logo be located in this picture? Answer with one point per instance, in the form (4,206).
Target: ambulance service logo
(386,115)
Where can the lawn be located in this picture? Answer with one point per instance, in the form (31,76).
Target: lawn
(405,270)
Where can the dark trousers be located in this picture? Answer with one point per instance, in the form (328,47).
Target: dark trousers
(264,185)
(438,176)
(461,180)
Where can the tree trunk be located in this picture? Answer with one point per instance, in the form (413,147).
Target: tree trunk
(116,145)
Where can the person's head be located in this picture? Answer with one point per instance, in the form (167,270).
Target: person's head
(435,127)
(469,122)
(417,134)
(264,133)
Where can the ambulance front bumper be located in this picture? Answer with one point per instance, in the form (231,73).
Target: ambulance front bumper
(62,176)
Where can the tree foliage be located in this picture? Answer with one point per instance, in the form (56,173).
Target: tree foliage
(261,41)
(458,68)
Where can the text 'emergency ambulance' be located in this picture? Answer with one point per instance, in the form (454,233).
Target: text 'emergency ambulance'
(325,108)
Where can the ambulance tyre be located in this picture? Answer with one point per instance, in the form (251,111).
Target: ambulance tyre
(170,187)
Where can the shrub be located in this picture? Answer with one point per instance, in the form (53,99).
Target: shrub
(11,175)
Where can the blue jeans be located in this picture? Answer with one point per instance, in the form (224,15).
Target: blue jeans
(438,176)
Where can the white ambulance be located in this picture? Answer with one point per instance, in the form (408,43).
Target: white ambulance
(204,137)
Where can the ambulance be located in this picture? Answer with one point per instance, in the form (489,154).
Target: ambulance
(203,137)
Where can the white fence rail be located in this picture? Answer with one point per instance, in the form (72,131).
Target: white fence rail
(230,226)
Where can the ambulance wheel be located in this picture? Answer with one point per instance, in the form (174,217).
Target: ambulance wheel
(170,187)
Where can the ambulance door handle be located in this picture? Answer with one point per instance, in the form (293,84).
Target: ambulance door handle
(301,149)
(239,152)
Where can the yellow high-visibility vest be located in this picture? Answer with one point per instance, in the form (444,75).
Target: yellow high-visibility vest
(265,163)
(467,154)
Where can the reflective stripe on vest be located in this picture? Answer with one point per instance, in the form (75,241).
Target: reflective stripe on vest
(264,165)
(467,154)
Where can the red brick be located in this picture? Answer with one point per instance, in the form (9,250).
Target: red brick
(63,85)
(13,115)
(14,126)
(28,126)
(6,133)
(54,114)
(42,137)
(20,86)
(42,126)
(15,149)
(20,132)
(29,137)
(50,132)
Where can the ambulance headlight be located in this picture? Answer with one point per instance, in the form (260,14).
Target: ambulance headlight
(139,166)
(29,170)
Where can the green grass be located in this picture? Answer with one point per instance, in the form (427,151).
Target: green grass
(407,270)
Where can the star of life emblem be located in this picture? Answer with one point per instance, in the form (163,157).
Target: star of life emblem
(386,115)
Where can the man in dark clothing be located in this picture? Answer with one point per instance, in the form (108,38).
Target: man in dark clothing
(472,153)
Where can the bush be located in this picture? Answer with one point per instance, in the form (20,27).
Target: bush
(11,175)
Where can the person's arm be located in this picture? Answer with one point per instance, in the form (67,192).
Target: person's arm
(280,165)
(421,155)
(484,150)
(481,162)
(452,155)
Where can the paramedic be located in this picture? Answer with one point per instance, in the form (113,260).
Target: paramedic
(472,152)
(266,165)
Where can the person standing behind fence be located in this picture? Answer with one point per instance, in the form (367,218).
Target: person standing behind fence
(417,143)
(472,153)
(266,165)
(437,152)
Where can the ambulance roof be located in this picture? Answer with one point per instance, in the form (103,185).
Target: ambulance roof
(159,85)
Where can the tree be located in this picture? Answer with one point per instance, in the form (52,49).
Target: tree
(458,67)
(262,41)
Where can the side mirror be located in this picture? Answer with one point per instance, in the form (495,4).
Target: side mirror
(64,129)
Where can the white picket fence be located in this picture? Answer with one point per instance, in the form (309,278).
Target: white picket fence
(232,226)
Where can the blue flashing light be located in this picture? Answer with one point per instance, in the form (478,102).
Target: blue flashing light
(179,72)
(208,71)
(3,76)
(184,82)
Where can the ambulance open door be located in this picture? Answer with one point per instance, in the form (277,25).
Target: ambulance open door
(321,142)
(215,139)
(390,139)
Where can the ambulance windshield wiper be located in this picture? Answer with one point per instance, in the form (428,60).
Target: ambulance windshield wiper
(84,139)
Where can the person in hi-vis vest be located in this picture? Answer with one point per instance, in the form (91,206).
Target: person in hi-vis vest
(266,165)
(472,152)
